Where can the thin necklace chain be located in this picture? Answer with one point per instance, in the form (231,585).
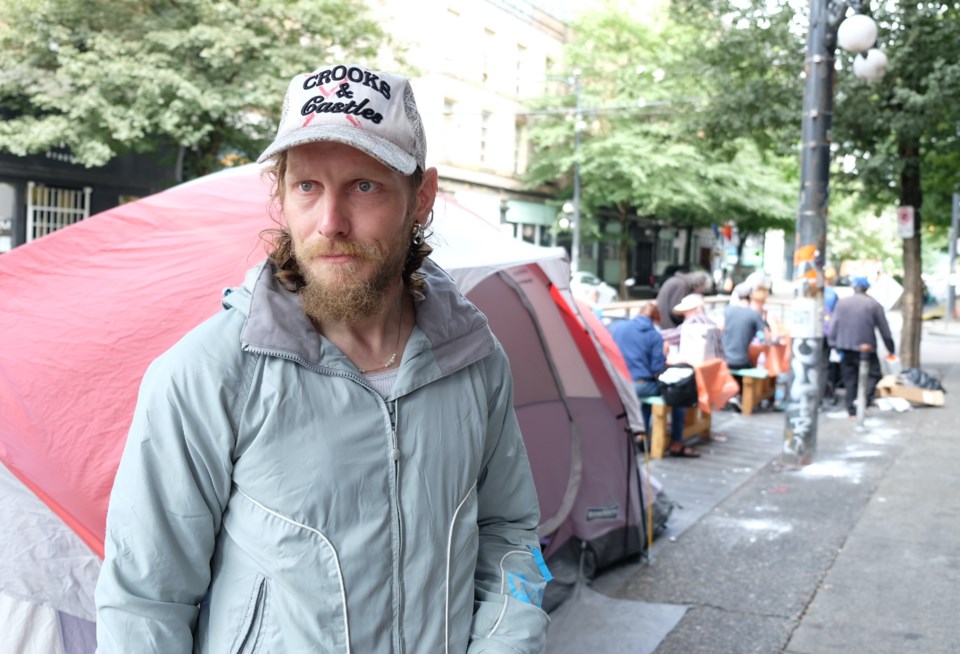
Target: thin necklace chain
(396,347)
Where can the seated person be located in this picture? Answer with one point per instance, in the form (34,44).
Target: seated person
(741,324)
(697,324)
(643,350)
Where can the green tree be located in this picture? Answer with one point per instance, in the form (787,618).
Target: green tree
(897,138)
(638,157)
(904,129)
(855,232)
(203,78)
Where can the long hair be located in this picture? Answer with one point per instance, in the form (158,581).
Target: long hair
(280,242)
(651,311)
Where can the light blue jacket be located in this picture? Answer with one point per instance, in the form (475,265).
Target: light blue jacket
(270,500)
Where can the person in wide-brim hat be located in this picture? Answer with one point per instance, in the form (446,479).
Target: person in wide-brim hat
(690,302)
(692,309)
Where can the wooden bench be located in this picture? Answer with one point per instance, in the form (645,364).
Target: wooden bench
(696,423)
(758,385)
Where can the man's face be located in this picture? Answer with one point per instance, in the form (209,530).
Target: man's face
(759,295)
(350,218)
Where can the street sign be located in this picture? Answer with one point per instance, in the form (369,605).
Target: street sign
(805,322)
(905,217)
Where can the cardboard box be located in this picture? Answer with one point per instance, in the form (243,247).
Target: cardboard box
(888,387)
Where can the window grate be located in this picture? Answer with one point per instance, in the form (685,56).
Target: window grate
(50,208)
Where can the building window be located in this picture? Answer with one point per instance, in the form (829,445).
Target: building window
(484,136)
(666,253)
(8,207)
(489,48)
(451,53)
(611,250)
(531,233)
(521,59)
(50,208)
(450,127)
(522,147)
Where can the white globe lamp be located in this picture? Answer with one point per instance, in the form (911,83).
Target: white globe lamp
(870,65)
(857,33)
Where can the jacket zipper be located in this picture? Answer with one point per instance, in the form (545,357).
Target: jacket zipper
(393,408)
(394,456)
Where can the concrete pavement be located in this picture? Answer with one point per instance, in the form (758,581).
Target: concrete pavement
(857,552)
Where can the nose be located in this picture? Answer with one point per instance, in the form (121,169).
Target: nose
(332,216)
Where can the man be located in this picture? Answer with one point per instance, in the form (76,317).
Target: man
(674,290)
(830,298)
(853,326)
(642,349)
(741,324)
(333,462)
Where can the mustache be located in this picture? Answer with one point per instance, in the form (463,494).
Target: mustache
(340,247)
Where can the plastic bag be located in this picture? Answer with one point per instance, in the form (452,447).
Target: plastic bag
(919,379)
(678,386)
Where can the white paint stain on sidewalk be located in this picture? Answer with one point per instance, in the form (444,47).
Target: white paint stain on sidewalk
(851,470)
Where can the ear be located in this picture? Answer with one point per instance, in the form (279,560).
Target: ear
(426,195)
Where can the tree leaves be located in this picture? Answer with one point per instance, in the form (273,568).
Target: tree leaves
(647,150)
(105,77)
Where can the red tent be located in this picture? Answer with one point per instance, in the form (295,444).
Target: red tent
(87,308)
(83,317)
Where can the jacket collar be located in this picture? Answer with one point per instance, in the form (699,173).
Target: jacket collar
(450,327)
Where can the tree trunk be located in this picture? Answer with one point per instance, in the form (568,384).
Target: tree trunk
(912,304)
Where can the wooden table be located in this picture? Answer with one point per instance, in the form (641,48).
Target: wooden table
(760,383)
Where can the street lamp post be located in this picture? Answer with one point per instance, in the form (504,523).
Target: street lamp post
(578,119)
(857,34)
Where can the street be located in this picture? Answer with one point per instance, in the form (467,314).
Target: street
(857,552)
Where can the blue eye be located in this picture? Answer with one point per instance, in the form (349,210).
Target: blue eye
(365,186)
(304,186)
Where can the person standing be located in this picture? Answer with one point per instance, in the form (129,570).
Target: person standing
(830,298)
(332,462)
(854,324)
(642,348)
(674,290)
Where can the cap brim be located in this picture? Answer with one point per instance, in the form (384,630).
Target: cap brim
(384,151)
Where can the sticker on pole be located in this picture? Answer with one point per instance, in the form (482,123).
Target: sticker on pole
(805,321)
(905,217)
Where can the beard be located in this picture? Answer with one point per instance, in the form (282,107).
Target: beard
(337,293)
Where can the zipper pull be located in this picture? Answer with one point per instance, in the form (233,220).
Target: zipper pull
(395,454)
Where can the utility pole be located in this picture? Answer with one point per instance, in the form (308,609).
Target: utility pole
(577,119)
(807,364)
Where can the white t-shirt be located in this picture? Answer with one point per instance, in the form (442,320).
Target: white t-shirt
(382,382)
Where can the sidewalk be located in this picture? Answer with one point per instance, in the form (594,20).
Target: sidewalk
(857,552)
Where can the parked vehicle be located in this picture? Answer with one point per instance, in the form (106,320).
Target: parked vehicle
(589,288)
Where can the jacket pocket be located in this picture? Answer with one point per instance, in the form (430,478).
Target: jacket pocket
(247,640)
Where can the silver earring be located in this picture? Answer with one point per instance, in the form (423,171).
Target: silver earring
(417,239)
